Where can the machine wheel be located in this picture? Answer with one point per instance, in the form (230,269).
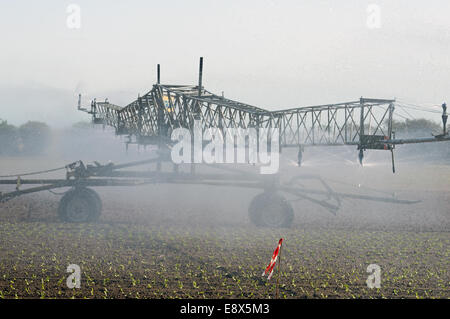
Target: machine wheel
(80,205)
(270,210)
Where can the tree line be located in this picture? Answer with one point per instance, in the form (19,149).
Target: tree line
(412,125)
(31,138)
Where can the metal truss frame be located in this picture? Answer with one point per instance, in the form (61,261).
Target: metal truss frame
(150,119)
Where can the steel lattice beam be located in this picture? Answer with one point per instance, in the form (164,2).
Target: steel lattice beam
(167,107)
(151,118)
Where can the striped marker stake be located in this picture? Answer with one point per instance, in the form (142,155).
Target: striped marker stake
(271,266)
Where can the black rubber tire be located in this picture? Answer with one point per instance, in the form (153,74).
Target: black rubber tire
(80,205)
(98,203)
(271,210)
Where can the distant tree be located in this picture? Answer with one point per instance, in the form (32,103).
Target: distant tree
(415,125)
(9,138)
(35,137)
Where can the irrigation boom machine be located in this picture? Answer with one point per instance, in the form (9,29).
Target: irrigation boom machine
(153,117)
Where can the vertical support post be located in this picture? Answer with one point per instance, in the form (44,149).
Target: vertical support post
(361,132)
(158,75)
(258,124)
(161,124)
(391,112)
(200,77)
(94,109)
(444,118)
(345,124)
(140,117)
(391,134)
(328,125)
(361,120)
(79,101)
(393,162)
(94,106)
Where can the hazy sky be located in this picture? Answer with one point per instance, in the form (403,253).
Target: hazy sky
(273,54)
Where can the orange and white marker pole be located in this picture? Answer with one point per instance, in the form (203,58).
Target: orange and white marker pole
(271,266)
